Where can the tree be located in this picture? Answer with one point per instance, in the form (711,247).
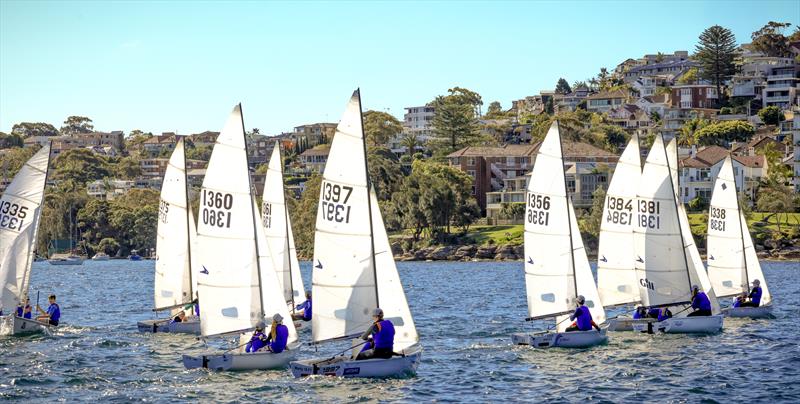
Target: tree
(126,168)
(591,224)
(512,210)
(461,95)
(771,115)
(578,84)
(686,136)
(563,87)
(603,79)
(776,198)
(304,216)
(495,111)
(716,52)
(385,172)
(454,125)
(722,133)
(548,106)
(770,40)
(380,128)
(108,245)
(25,129)
(690,77)
(11,161)
(80,166)
(9,141)
(411,142)
(77,124)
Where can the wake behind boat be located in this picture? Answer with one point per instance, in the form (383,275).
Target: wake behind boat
(354,271)
(237,283)
(557,273)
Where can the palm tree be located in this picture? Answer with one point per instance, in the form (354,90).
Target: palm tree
(410,141)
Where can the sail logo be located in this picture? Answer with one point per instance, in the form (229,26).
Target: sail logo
(647,284)
(205,270)
(604,259)
(319,265)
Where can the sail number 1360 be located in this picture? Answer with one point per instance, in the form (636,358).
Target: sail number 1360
(216,207)
(334,202)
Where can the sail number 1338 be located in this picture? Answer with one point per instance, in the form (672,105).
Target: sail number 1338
(334,202)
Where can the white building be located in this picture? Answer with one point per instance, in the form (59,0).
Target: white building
(781,88)
(701,168)
(796,143)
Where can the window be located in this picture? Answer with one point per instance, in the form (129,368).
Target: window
(686,104)
(473,190)
(471,161)
(511,161)
(686,92)
(471,173)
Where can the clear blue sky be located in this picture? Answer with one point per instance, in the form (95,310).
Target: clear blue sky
(182,65)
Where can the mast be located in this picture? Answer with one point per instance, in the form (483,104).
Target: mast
(677,213)
(569,214)
(188,212)
(369,199)
(286,225)
(746,286)
(253,215)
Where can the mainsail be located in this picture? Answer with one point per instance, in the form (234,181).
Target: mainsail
(556,267)
(277,229)
(616,274)
(236,282)
(173,285)
(354,271)
(732,264)
(20,212)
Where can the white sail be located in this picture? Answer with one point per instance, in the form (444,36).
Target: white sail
(271,290)
(390,290)
(672,156)
(275,219)
(298,285)
(616,275)
(730,267)
(584,280)
(549,272)
(173,277)
(344,284)
(226,231)
(20,210)
(661,264)
(754,267)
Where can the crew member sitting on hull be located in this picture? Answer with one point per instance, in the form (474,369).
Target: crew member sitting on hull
(739,300)
(380,337)
(25,312)
(258,340)
(53,313)
(276,340)
(306,307)
(640,313)
(582,317)
(179,318)
(700,303)
(755,295)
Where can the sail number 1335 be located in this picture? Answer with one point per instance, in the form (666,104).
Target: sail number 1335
(334,202)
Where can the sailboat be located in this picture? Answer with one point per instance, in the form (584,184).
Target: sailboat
(354,270)
(667,262)
(20,214)
(236,281)
(556,267)
(617,284)
(173,286)
(278,230)
(732,260)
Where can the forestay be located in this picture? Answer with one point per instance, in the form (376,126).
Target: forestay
(616,275)
(20,213)
(172,286)
(277,229)
(732,264)
(661,264)
(226,248)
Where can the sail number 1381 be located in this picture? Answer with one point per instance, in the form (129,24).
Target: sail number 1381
(334,202)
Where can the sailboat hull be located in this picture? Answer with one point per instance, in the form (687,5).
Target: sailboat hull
(690,325)
(66,261)
(341,366)
(239,361)
(624,323)
(191,326)
(751,312)
(13,325)
(574,339)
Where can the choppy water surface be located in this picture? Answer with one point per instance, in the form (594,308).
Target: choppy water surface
(465,314)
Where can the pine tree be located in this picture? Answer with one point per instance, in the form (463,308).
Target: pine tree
(563,87)
(716,52)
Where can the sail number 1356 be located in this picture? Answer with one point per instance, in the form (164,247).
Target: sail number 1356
(538,209)
(334,202)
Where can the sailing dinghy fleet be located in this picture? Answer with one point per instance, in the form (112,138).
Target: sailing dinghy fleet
(240,260)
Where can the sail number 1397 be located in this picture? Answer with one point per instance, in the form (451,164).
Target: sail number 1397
(334,202)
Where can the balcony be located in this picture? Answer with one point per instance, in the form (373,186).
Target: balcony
(780,76)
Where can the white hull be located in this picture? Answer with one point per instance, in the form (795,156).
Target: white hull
(342,366)
(239,360)
(686,325)
(13,325)
(66,261)
(100,258)
(574,339)
(751,312)
(191,326)
(621,324)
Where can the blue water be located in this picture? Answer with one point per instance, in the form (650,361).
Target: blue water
(465,314)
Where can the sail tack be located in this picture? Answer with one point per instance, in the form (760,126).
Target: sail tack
(20,213)
(173,278)
(616,274)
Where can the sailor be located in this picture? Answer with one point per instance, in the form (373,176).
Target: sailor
(179,318)
(258,340)
(582,317)
(276,340)
(306,307)
(653,313)
(700,303)
(25,312)
(739,300)
(664,314)
(640,312)
(379,337)
(53,313)
(755,295)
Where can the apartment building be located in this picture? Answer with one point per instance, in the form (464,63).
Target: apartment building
(701,168)
(315,159)
(688,96)
(781,88)
(605,101)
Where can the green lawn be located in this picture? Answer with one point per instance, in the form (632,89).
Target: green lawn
(496,234)
(699,222)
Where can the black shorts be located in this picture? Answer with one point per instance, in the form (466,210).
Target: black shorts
(52,322)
